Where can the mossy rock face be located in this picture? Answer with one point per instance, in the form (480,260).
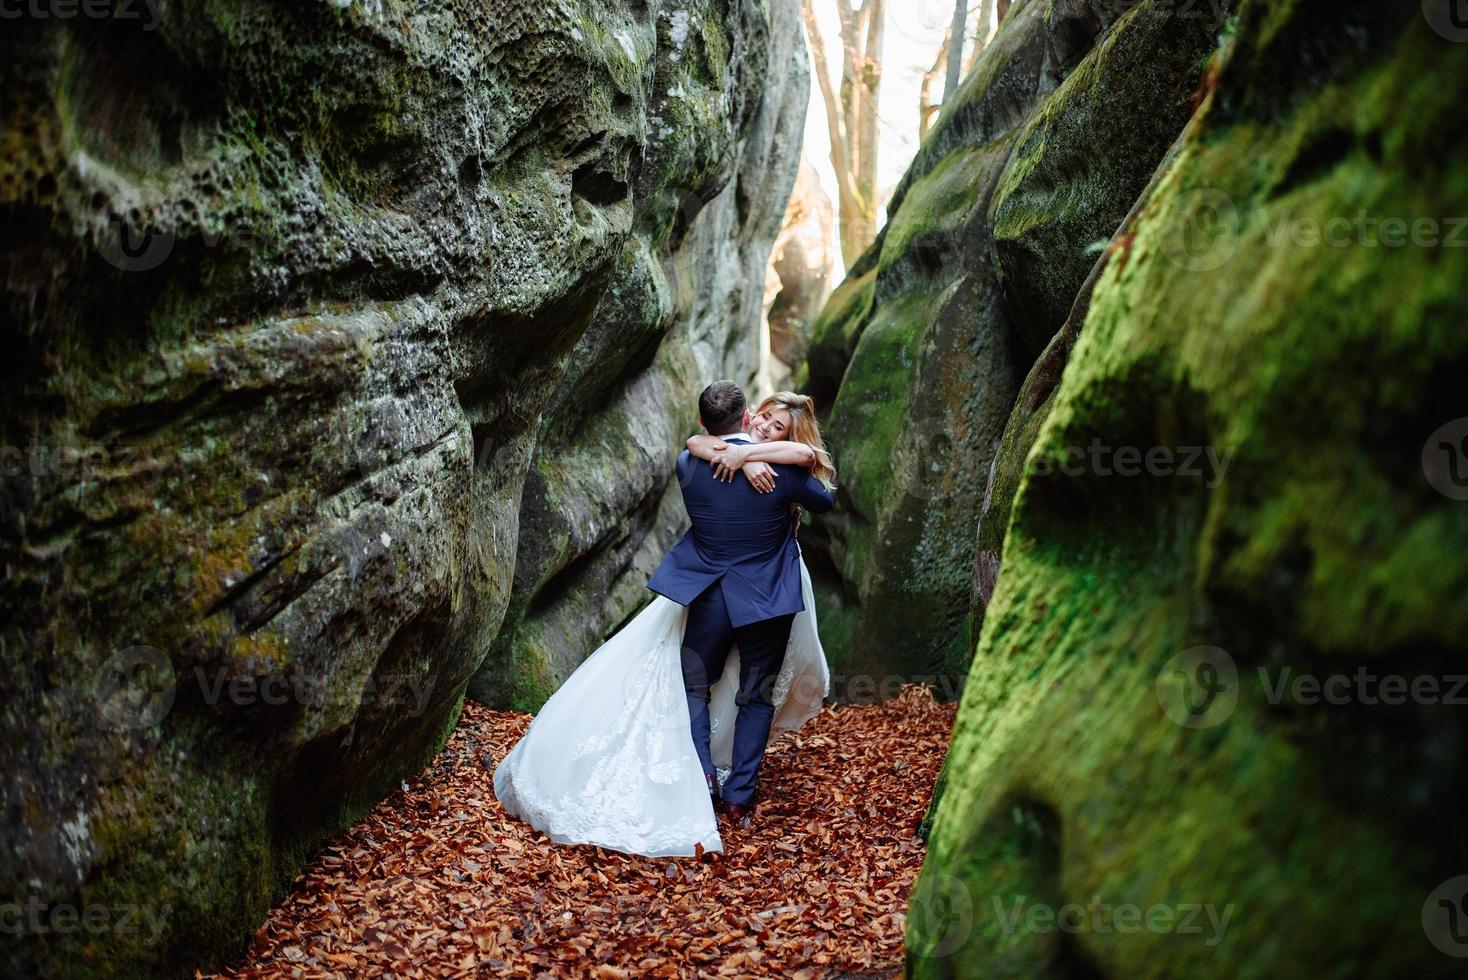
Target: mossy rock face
(683,306)
(295,296)
(922,350)
(1135,731)
(1086,154)
(1074,178)
(837,328)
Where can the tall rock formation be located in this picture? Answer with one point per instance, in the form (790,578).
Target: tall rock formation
(921,351)
(296,295)
(684,305)
(1209,729)
(798,279)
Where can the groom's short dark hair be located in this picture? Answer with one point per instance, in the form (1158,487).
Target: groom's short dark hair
(721,407)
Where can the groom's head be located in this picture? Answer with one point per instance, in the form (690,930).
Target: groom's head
(721,408)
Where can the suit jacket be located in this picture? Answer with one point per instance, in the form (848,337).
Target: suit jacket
(742,539)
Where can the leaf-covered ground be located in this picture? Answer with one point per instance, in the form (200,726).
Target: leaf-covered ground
(439,881)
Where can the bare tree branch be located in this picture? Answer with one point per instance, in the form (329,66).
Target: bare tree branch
(851,114)
(866,174)
(823,76)
(927,108)
(986,23)
(956,31)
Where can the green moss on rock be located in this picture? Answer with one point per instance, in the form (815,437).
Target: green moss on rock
(328,291)
(1320,370)
(1041,154)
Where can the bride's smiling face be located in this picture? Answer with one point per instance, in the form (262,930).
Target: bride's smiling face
(770,426)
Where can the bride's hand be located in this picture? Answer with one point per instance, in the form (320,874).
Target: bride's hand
(761,476)
(728,461)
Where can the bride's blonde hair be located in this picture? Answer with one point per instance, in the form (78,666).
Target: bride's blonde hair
(803,429)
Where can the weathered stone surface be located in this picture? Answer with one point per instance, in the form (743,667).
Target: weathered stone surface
(685,305)
(798,279)
(1079,162)
(1088,766)
(923,348)
(294,297)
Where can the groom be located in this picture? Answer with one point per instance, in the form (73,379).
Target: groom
(738,572)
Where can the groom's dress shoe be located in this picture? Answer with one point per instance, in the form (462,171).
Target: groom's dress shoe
(738,814)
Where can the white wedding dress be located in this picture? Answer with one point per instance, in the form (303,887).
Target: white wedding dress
(609,760)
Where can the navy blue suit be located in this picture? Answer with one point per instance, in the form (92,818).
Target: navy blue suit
(738,572)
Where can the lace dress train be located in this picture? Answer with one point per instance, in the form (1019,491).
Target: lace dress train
(609,759)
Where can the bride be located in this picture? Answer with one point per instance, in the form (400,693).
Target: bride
(610,760)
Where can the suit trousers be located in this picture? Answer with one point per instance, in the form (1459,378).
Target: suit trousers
(707,639)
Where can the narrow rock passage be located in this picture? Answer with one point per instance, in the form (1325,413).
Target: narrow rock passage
(439,881)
